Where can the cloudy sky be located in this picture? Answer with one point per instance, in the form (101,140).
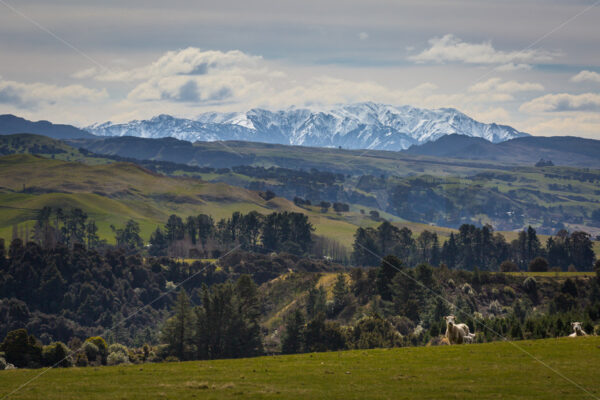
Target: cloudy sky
(534,65)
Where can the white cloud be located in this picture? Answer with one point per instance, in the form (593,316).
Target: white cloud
(190,61)
(513,67)
(497,85)
(450,48)
(582,124)
(586,76)
(363,35)
(33,95)
(563,102)
(85,73)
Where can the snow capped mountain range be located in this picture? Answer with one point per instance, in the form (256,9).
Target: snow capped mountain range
(351,126)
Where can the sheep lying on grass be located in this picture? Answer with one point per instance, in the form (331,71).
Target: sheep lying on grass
(577,330)
(469,338)
(455,333)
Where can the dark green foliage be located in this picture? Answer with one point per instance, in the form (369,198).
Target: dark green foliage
(294,336)
(539,264)
(227,321)
(158,243)
(128,237)
(101,345)
(178,332)
(365,248)
(323,335)
(340,293)
(316,302)
(388,269)
(56,354)
(200,237)
(508,266)
(569,287)
(62,292)
(21,349)
(372,332)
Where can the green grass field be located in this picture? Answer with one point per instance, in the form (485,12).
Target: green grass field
(481,371)
(562,274)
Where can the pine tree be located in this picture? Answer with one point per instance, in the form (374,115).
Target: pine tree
(340,291)
(178,332)
(294,335)
(388,269)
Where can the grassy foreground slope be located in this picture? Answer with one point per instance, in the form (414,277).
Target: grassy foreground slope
(492,370)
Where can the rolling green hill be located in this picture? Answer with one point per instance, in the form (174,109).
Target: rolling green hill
(482,371)
(113,193)
(235,153)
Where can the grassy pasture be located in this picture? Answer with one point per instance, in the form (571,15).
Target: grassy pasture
(481,371)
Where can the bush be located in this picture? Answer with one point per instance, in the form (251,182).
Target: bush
(3,363)
(451,283)
(22,350)
(508,266)
(374,331)
(509,292)
(539,264)
(530,285)
(495,307)
(118,348)
(81,359)
(56,355)
(468,290)
(100,343)
(91,352)
(117,358)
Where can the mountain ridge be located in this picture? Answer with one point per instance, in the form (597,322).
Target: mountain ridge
(352,126)
(12,124)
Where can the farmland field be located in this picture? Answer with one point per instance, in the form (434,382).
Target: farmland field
(493,370)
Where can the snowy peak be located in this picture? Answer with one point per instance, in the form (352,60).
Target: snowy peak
(352,126)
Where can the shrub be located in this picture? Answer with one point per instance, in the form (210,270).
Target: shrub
(572,268)
(3,363)
(81,359)
(403,325)
(101,345)
(495,307)
(509,292)
(539,264)
(56,355)
(508,266)
(451,283)
(91,352)
(468,290)
(22,350)
(374,331)
(117,358)
(118,348)
(530,285)
(495,293)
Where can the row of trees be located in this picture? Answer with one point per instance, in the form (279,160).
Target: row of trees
(68,226)
(201,236)
(471,247)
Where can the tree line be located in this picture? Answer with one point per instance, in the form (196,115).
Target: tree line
(200,237)
(473,247)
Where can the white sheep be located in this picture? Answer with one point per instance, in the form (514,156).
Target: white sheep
(469,338)
(455,333)
(577,330)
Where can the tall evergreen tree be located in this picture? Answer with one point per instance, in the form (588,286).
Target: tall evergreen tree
(178,332)
(294,334)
